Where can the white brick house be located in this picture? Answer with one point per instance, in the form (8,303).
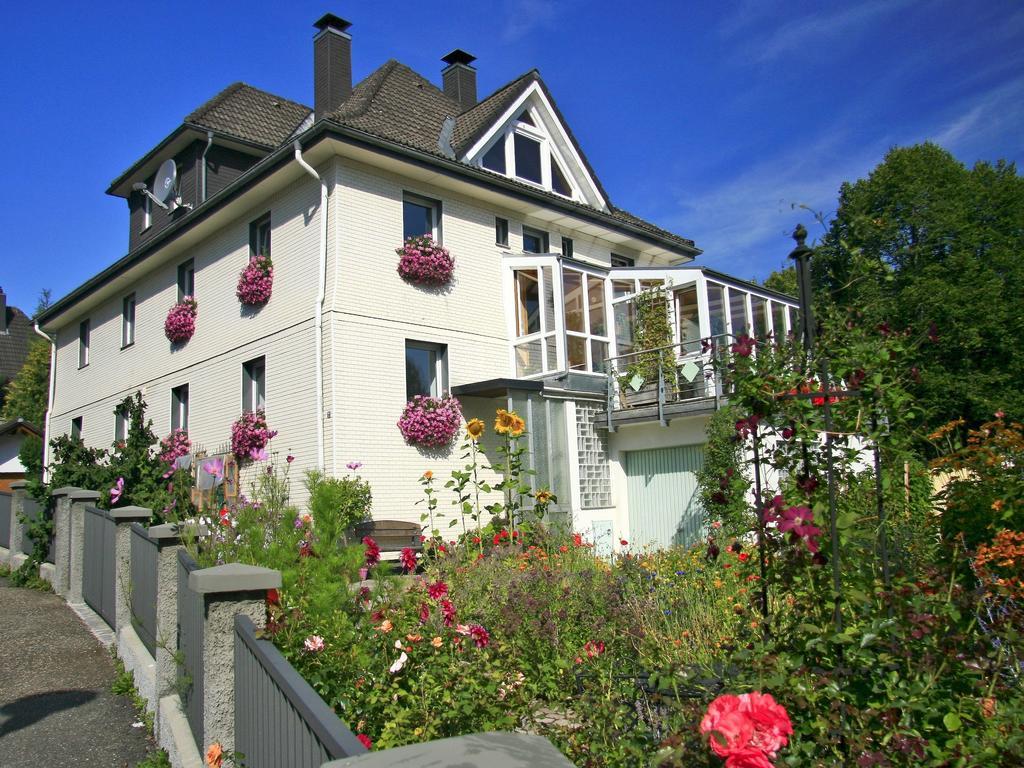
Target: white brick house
(545,266)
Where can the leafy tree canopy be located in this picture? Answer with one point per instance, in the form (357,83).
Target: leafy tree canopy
(928,244)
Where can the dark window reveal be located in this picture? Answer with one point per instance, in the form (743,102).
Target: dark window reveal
(259,237)
(186,279)
(500,231)
(534,241)
(527,158)
(424,369)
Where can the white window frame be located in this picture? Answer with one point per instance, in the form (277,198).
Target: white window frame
(147,213)
(84,341)
(254,388)
(128,320)
(427,202)
(439,381)
(545,333)
(76,427)
(186,273)
(120,425)
(180,408)
(587,335)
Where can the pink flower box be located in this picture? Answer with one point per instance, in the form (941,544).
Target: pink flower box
(425,262)
(431,421)
(181,321)
(256,282)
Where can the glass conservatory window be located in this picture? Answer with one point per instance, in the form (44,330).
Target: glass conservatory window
(738,312)
(779,320)
(585,321)
(494,159)
(757,309)
(527,158)
(536,350)
(716,309)
(688,315)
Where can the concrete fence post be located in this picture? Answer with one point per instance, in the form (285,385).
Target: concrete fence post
(168,542)
(62,539)
(17,509)
(227,590)
(123,519)
(78,499)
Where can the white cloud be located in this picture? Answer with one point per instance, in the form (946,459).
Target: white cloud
(524,16)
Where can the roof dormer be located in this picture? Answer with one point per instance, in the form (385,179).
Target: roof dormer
(531,144)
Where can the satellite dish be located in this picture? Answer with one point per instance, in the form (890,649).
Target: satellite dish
(165,183)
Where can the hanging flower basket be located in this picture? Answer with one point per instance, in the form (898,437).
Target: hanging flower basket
(174,446)
(431,421)
(256,282)
(425,262)
(250,435)
(181,321)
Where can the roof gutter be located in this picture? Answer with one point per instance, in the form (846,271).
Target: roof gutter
(318,308)
(49,400)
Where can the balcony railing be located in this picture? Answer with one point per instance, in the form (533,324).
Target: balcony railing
(658,379)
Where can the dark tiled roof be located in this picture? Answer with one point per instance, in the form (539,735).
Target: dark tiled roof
(396,103)
(15,425)
(15,343)
(250,114)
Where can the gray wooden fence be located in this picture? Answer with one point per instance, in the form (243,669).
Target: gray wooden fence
(279,718)
(143,586)
(5,520)
(98,563)
(190,646)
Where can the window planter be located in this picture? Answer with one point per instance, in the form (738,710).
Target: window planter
(250,435)
(424,262)
(431,422)
(256,282)
(181,321)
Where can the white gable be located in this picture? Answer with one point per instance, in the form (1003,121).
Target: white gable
(530,144)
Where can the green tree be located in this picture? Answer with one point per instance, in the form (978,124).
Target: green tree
(784,281)
(27,393)
(926,244)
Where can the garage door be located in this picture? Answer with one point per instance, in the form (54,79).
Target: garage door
(664,507)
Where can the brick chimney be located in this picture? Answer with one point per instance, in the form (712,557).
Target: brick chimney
(332,64)
(3,311)
(459,78)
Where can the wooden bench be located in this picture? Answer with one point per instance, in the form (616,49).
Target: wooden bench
(392,536)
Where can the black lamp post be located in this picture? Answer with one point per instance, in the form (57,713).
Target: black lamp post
(802,256)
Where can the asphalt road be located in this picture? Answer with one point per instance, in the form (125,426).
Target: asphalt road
(56,708)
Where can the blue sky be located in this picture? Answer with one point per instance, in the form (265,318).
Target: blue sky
(711,119)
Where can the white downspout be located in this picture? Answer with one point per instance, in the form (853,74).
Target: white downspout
(318,317)
(49,401)
(209,143)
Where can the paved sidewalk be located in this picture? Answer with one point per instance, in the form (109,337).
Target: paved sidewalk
(56,708)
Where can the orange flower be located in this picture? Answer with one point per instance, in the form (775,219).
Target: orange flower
(436,642)
(386,626)
(414,638)
(215,755)
(428,475)
(544,496)
(475,429)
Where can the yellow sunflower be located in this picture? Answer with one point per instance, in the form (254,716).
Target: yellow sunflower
(544,496)
(518,426)
(475,429)
(504,421)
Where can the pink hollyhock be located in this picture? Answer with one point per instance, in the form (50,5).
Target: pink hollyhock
(747,730)
(437,590)
(424,613)
(425,262)
(431,421)
(744,345)
(372,551)
(256,282)
(365,740)
(117,491)
(408,559)
(181,321)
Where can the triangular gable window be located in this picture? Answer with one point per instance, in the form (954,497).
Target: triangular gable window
(524,150)
(559,183)
(494,159)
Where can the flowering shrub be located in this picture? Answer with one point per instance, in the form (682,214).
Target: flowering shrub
(425,262)
(256,282)
(250,434)
(431,421)
(174,446)
(181,321)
